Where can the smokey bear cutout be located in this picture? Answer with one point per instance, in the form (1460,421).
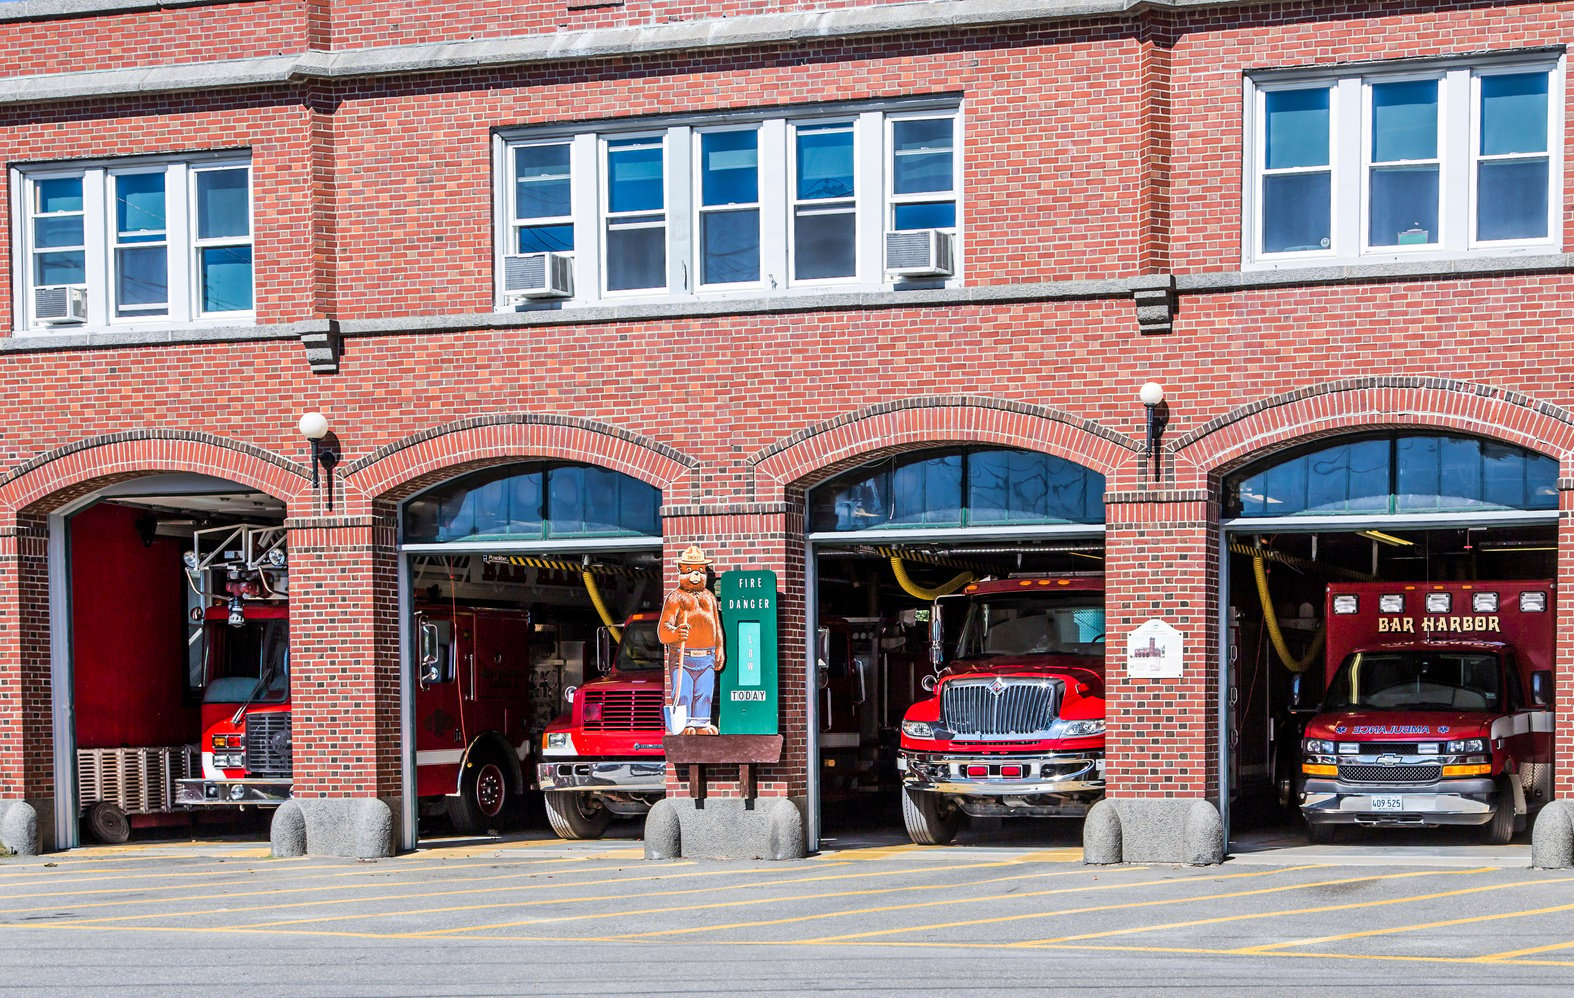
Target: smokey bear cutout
(690,628)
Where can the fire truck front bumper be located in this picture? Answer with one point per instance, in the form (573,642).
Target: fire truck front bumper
(1445,802)
(1054,783)
(619,775)
(230,793)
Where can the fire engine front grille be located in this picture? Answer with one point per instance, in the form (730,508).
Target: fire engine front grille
(623,710)
(996,708)
(1390,774)
(269,749)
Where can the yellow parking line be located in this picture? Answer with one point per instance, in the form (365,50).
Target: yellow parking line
(1428,925)
(922,904)
(1511,954)
(941,926)
(668,909)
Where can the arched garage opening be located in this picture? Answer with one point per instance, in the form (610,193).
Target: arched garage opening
(1402,580)
(169,603)
(532,663)
(981,564)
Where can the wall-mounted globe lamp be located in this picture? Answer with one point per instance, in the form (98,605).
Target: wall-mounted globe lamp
(1152,397)
(325,449)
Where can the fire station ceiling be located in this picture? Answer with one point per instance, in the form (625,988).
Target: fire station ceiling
(173,498)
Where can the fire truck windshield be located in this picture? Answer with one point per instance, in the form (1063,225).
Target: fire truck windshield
(1415,679)
(1025,625)
(640,647)
(248,663)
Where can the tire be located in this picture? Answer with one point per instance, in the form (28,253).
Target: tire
(931,820)
(574,815)
(1319,833)
(108,824)
(484,797)
(1500,830)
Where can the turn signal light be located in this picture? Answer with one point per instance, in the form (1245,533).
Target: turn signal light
(1011,772)
(1318,769)
(977,771)
(1483,769)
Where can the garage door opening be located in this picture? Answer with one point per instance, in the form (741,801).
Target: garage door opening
(178,622)
(1386,612)
(533,683)
(982,569)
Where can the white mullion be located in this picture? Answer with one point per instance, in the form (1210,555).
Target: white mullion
(1458,186)
(1345,184)
(1555,113)
(180,194)
(97,268)
(870,140)
(584,196)
(775,205)
(677,165)
(504,238)
(957,187)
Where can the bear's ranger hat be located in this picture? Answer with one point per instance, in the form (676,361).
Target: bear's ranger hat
(693,556)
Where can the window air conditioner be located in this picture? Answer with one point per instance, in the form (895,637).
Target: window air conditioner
(920,253)
(538,275)
(54,303)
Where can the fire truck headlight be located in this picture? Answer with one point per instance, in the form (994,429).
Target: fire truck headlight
(1467,745)
(190,558)
(560,741)
(237,792)
(1082,729)
(918,729)
(1318,746)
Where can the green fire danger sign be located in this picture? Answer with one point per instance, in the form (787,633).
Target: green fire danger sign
(748,682)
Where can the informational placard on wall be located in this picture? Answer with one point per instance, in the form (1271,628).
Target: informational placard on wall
(747,704)
(1154,651)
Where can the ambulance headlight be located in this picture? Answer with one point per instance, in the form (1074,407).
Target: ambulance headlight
(1318,746)
(918,729)
(1464,745)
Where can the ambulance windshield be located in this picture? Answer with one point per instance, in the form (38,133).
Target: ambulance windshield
(1415,679)
(1025,625)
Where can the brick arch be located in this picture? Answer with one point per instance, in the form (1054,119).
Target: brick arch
(408,466)
(55,478)
(1336,408)
(822,451)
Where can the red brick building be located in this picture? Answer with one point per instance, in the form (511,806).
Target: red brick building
(1305,220)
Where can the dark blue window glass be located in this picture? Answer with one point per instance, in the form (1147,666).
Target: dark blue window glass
(534,501)
(960,488)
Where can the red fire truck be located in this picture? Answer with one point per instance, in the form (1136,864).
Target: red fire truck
(1438,708)
(471,703)
(604,757)
(1016,723)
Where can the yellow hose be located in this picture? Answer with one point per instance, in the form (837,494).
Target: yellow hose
(601,607)
(1271,621)
(918,592)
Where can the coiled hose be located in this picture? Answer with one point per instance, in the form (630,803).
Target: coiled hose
(1271,622)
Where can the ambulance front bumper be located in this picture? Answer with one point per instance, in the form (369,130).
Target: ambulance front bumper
(1445,802)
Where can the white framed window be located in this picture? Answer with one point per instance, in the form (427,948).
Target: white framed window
(1425,161)
(127,242)
(734,204)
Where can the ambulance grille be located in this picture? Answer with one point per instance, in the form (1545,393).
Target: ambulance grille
(972,708)
(1391,774)
(624,710)
(269,748)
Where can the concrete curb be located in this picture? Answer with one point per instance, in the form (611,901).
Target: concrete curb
(19,827)
(1552,840)
(724,828)
(353,827)
(1157,830)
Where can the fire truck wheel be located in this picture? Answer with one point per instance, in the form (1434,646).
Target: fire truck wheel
(1500,829)
(108,824)
(575,815)
(483,797)
(931,820)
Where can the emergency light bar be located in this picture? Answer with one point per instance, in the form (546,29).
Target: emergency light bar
(1347,604)
(1532,602)
(1439,602)
(1483,602)
(1391,603)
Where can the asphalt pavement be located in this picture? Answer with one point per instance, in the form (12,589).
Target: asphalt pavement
(994,915)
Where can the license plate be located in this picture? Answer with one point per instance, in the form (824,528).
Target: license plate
(1390,803)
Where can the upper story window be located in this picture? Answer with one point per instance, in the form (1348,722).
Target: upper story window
(134,241)
(734,205)
(1401,163)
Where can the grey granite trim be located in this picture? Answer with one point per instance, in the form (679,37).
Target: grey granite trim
(1156,496)
(1548,409)
(571,46)
(29,342)
(48,10)
(1238,280)
(726,509)
(192,436)
(521,418)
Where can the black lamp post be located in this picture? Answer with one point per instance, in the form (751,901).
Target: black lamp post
(1152,396)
